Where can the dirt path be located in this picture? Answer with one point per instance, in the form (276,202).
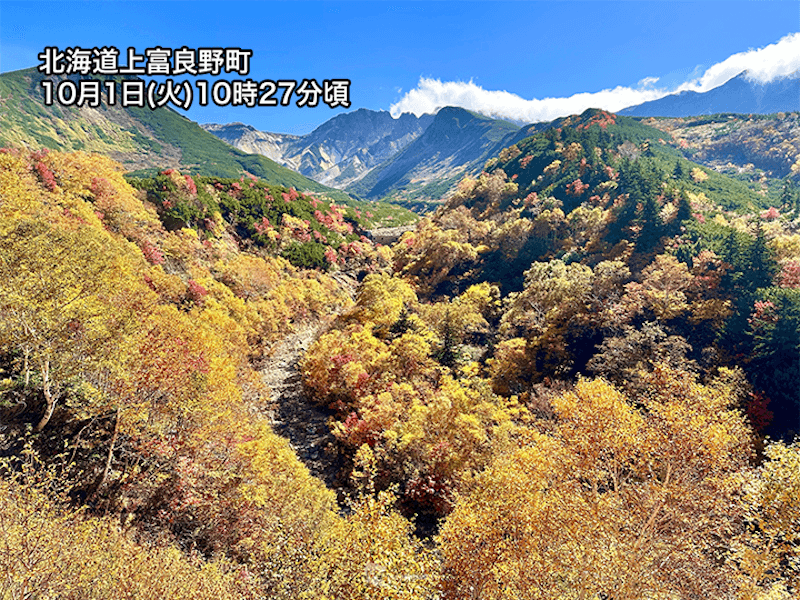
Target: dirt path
(293,414)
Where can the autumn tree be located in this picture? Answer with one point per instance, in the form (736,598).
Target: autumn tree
(616,499)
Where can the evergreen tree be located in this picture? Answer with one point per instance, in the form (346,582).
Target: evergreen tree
(684,208)
(761,266)
(686,253)
(448,353)
(790,200)
(775,368)
(651,227)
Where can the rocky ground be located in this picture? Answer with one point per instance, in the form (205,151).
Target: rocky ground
(293,413)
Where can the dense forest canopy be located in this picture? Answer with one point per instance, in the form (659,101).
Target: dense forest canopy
(564,383)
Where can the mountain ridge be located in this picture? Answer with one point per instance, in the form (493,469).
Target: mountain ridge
(145,141)
(336,153)
(737,95)
(456,143)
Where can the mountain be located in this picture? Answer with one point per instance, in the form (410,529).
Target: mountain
(738,95)
(338,152)
(145,141)
(543,164)
(739,145)
(457,142)
(249,139)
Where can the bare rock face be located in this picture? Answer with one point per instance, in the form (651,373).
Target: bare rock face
(388,235)
(373,155)
(457,143)
(338,152)
(251,140)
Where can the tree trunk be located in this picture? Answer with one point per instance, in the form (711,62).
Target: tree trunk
(27,367)
(48,398)
(110,456)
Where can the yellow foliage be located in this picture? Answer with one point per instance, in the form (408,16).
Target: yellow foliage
(699,175)
(48,551)
(381,299)
(608,498)
(770,557)
(373,556)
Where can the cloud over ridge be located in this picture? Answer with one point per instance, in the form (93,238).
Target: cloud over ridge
(762,65)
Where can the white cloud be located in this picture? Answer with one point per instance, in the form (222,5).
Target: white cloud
(765,64)
(776,60)
(432,94)
(648,81)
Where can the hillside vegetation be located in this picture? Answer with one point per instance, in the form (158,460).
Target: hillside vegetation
(145,141)
(556,386)
(137,462)
(751,147)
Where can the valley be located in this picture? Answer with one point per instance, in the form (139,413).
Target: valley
(233,364)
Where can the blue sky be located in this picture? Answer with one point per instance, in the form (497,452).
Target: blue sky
(413,56)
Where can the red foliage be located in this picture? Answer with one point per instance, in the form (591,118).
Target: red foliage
(330,255)
(577,187)
(763,313)
(195,292)
(432,490)
(758,412)
(771,214)
(263,226)
(46,176)
(152,254)
(101,188)
(190,185)
(789,277)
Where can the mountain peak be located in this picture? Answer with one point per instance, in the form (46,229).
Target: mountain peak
(741,94)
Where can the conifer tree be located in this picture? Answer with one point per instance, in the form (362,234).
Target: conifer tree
(651,227)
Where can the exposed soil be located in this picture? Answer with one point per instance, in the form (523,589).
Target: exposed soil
(293,414)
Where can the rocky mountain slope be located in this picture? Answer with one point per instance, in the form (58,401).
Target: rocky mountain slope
(338,152)
(457,143)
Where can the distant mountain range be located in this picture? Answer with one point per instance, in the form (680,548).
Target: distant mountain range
(338,152)
(457,142)
(737,95)
(371,154)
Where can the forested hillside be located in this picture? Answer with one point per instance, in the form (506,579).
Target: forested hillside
(752,146)
(137,462)
(146,141)
(556,386)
